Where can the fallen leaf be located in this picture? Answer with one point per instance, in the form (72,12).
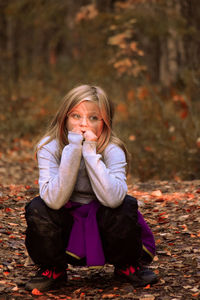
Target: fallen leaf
(148,286)
(109,296)
(147,297)
(36,292)
(195,295)
(156,193)
(132,138)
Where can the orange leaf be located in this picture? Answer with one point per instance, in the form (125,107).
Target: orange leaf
(158,241)
(42,112)
(184,114)
(131,95)
(36,292)
(117,39)
(155,258)
(12,236)
(6,273)
(109,296)
(8,209)
(133,46)
(86,12)
(148,148)
(132,138)
(122,109)
(173,138)
(156,193)
(195,295)
(198,142)
(148,286)
(52,58)
(143,93)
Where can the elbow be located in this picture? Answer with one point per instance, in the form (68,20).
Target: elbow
(117,200)
(51,203)
(55,206)
(115,204)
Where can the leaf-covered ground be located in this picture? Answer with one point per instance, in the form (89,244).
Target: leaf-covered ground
(170,208)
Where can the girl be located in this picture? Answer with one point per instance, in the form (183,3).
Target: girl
(83,215)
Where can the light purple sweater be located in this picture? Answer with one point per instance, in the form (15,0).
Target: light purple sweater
(80,174)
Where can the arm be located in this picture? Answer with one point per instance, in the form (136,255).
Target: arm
(57,179)
(108,178)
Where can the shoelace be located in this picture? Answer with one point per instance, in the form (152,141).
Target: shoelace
(49,273)
(129,270)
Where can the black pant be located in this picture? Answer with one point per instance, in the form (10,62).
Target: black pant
(48,233)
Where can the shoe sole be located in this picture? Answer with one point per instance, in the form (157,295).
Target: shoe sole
(123,278)
(51,286)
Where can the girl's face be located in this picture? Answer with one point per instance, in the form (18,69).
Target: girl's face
(85,116)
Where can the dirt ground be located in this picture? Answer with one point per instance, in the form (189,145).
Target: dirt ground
(170,208)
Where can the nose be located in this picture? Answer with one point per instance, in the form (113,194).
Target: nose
(84,121)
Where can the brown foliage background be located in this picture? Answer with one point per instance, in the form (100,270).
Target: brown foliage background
(143,53)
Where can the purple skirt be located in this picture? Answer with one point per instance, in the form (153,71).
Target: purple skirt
(85,240)
(147,237)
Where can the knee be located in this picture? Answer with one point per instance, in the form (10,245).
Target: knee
(36,214)
(129,203)
(34,207)
(126,214)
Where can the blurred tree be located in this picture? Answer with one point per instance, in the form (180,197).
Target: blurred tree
(36,35)
(145,53)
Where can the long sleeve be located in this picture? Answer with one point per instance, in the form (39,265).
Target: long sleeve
(57,177)
(107,173)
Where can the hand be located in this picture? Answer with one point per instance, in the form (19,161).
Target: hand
(77,130)
(89,135)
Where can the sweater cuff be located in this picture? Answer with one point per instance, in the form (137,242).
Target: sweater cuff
(75,138)
(89,147)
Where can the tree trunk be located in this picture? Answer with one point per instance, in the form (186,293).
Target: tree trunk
(172,50)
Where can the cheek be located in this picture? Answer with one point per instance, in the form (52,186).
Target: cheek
(99,129)
(69,125)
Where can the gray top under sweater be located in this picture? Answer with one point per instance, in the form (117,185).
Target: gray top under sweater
(80,174)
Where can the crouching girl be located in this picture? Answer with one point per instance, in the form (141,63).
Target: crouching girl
(83,215)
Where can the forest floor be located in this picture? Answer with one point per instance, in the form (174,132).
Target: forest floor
(170,208)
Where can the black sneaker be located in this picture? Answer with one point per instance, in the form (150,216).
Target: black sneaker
(137,276)
(47,279)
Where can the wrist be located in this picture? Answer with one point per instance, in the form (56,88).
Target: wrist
(89,147)
(75,138)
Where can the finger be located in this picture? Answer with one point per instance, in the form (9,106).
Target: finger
(77,130)
(90,136)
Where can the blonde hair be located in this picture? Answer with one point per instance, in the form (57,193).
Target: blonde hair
(58,129)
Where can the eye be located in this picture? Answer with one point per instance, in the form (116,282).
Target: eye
(94,118)
(75,116)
